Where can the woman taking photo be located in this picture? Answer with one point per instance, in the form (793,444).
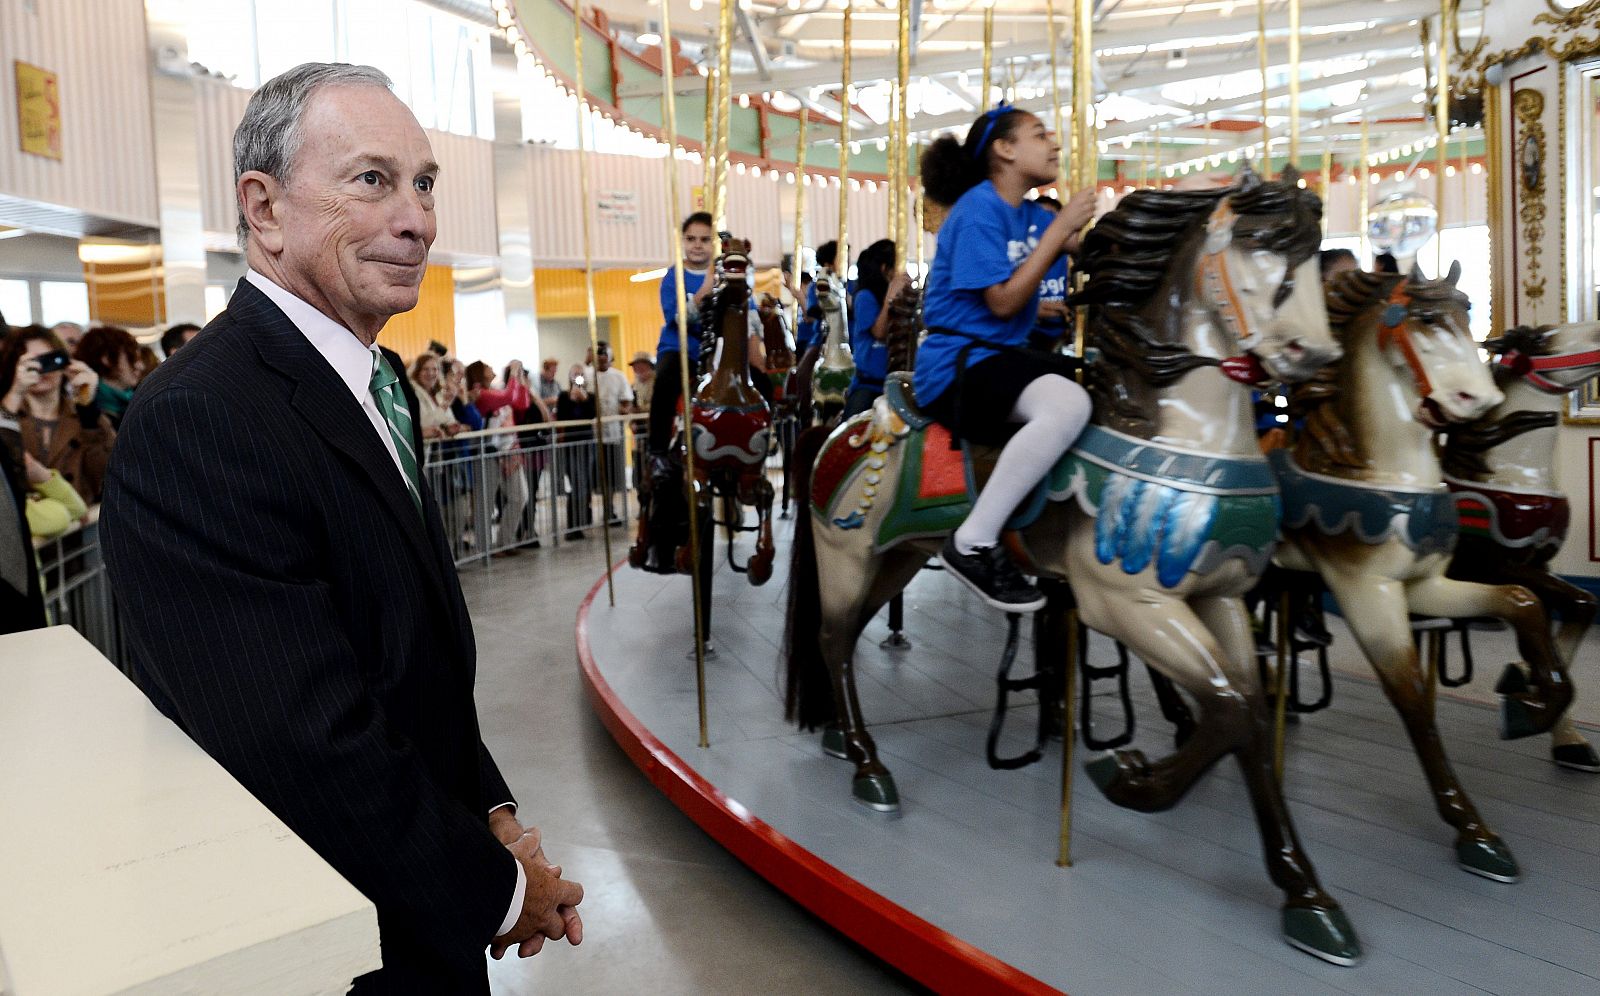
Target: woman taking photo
(54,402)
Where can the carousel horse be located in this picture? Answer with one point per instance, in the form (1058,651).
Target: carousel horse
(778,345)
(1160,517)
(730,426)
(1512,517)
(833,368)
(1365,506)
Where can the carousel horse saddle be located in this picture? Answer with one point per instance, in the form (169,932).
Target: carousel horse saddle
(1511,518)
(1424,519)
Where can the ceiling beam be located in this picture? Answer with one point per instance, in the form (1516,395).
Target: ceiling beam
(752,34)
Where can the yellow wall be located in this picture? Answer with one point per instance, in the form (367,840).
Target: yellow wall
(634,308)
(434,317)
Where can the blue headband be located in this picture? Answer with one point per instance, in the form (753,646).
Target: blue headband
(990,116)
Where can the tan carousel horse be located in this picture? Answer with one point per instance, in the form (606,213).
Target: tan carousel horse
(1513,517)
(826,370)
(1160,518)
(1365,506)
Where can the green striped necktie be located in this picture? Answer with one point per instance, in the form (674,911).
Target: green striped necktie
(392,406)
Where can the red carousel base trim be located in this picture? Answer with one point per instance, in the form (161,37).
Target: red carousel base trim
(937,959)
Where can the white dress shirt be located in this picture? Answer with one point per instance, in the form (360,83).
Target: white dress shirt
(352,361)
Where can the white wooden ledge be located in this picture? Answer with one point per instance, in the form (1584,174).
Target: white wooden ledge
(131,862)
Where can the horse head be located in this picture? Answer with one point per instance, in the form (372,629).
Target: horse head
(1258,273)
(1555,359)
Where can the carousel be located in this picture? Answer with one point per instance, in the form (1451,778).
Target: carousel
(1318,576)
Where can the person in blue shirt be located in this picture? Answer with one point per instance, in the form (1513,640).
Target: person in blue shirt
(876,285)
(806,334)
(973,373)
(1054,321)
(698,231)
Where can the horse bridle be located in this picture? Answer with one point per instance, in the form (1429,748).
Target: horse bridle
(1529,367)
(1394,330)
(1213,282)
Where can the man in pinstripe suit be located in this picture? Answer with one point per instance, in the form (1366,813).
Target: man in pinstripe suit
(289,594)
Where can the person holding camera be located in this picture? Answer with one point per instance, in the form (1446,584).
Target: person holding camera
(112,353)
(52,398)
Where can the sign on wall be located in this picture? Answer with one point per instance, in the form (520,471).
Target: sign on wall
(619,207)
(38,111)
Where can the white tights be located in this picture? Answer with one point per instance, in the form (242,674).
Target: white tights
(1053,411)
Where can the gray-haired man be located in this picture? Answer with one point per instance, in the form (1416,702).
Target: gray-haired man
(290,598)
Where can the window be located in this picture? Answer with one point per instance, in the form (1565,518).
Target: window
(63,301)
(15,303)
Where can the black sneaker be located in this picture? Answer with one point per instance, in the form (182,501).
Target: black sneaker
(988,571)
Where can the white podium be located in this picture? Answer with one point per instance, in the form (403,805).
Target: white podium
(131,862)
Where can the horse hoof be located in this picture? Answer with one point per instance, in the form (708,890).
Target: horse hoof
(1103,771)
(1517,720)
(833,742)
(1123,776)
(1512,681)
(1322,932)
(876,792)
(1578,757)
(1489,858)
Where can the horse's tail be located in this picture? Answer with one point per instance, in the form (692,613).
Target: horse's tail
(808,686)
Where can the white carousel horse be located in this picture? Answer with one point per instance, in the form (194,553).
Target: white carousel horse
(1513,516)
(1365,506)
(1160,518)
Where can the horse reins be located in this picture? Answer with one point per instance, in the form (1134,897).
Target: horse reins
(1214,283)
(1528,367)
(1393,331)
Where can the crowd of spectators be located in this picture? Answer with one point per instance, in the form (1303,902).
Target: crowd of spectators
(64,389)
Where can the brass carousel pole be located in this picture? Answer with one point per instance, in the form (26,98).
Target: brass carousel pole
(892,166)
(1441,116)
(1491,179)
(724,105)
(1083,172)
(669,114)
(1261,58)
(1294,83)
(795,267)
(1055,83)
(708,189)
(1327,182)
(1363,171)
(899,226)
(842,257)
(588,278)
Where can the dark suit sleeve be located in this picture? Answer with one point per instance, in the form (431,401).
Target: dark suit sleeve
(238,633)
(494,787)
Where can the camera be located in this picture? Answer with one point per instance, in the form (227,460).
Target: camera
(577,381)
(56,359)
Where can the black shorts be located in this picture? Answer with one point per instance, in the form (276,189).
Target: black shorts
(989,390)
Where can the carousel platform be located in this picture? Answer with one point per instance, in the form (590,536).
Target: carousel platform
(961,891)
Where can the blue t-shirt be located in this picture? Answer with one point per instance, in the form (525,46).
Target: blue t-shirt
(806,334)
(981,243)
(669,311)
(1054,290)
(871,356)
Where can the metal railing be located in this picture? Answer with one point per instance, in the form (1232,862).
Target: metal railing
(521,486)
(77,592)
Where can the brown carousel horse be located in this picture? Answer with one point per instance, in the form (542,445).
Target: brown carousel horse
(1160,517)
(1365,506)
(1513,518)
(781,370)
(730,429)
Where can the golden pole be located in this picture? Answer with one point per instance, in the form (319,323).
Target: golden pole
(891,164)
(1294,82)
(588,279)
(795,267)
(669,114)
(1085,167)
(1069,737)
(1155,168)
(1261,57)
(918,234)
(1491,177)
(724,105)
(1442,119)
(708,183)
(842,259)
(1362,173)
(1056,122)
(1327,183)
(899,227)
(988,54)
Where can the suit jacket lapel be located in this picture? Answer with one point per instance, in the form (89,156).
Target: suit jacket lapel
(325,402)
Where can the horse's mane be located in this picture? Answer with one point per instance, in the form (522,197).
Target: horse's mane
(1465,449)
(905,328)
(1149,239)
(1326,443)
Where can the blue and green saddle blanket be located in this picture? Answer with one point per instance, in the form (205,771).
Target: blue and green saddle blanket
(1424,519)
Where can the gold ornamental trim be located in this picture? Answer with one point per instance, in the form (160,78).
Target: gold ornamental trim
(1531,167)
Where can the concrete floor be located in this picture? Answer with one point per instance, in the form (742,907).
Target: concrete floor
(665,908)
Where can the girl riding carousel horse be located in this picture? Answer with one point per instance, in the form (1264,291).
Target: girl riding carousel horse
(972,373)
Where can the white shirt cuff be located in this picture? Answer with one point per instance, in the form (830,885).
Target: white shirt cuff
(516,902)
